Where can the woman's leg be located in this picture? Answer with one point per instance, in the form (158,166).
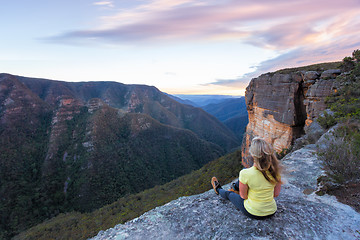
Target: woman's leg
(239,203)
(233,197)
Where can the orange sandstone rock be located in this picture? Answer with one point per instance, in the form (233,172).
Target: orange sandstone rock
(281,105)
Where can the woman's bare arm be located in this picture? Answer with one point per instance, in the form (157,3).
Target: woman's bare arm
(277,189)
(243,189)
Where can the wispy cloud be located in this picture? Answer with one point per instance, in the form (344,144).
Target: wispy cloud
(301,56)
(104,3)
(301,31)
(272,24)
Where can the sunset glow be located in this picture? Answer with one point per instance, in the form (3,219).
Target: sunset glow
(179,46)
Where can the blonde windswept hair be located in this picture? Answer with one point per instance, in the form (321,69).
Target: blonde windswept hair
(265,159)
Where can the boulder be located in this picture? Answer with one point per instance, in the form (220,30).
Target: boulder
(331,73)
(311,75)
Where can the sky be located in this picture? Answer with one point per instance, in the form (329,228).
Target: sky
(178,46)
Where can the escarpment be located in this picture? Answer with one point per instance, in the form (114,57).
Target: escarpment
(282,104)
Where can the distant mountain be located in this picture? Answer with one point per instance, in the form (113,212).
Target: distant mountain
(232,112)
(202,100)
(77,146)
(183,101)
(227,108)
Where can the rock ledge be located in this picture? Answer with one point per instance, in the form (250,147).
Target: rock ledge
(301,213)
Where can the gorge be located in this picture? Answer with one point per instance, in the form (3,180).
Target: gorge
(78,146)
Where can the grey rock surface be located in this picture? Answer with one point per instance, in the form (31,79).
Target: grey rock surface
(331,73)
(301,213)
(311,75)
(278,94)
(289,101)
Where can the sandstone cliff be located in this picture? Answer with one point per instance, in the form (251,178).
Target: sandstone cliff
(281,104)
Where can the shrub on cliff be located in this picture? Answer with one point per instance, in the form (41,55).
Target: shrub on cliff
(347,64)
(340,157)
(356,55)
(327,120)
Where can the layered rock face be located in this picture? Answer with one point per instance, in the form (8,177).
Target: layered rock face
(281,105)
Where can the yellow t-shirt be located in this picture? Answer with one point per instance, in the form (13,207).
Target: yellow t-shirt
(260,200)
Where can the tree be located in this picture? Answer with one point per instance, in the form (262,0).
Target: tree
(348,64)
(356,55)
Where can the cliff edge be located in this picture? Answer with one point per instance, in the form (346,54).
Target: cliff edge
(301,213)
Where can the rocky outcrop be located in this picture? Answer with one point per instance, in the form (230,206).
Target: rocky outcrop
(281,105)
(67,109)
(301,213)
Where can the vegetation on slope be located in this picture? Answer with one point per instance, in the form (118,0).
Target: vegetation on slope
(135,152)
(59,154)
(314,67)
(24,125)
(341,157)
(77,225)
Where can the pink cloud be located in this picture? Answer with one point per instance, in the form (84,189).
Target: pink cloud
(273,22)
(301,31)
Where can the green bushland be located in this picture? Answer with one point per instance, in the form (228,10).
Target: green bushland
(21,201)
(135,152)
(75,225)
(341,157)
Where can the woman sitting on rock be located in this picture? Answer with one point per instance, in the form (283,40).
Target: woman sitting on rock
(257,185)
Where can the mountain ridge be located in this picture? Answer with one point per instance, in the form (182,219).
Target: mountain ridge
(65,143)
(133,98)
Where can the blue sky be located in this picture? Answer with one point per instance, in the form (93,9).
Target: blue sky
(179,46)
